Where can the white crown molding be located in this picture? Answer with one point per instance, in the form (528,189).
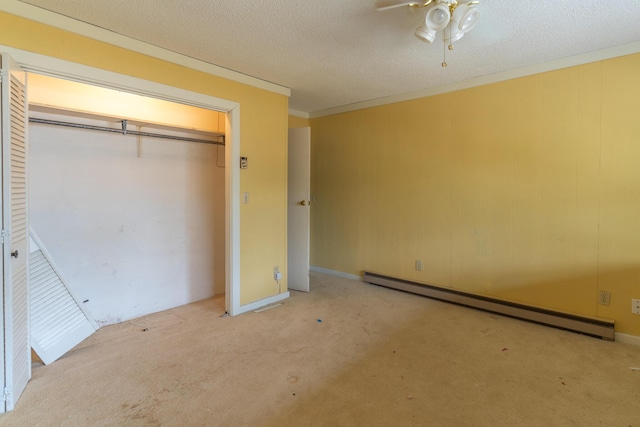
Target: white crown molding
(43,16)
(298,113)
(23,10)
(598,55)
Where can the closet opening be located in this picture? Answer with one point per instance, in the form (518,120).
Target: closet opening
(127,193)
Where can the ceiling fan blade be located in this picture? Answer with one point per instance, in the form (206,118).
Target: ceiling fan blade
(393,6)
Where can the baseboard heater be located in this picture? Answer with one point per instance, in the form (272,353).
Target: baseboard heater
(585,325)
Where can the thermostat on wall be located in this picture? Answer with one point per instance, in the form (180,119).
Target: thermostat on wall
(244,163)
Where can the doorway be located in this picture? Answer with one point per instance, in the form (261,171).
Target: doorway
(45,65)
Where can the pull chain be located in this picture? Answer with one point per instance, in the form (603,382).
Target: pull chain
(444,50)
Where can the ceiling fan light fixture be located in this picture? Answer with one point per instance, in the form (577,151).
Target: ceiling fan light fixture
(453,17)
(425,34)
(466,17)
(438,16)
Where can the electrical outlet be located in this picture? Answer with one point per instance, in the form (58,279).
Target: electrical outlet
(635,306)
(418,265)
(277,275)
(604,297)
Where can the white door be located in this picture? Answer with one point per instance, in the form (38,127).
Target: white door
(299,173)
(17,349)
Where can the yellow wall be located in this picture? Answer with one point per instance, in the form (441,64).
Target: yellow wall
(297,122)
(527,190)
(263,130)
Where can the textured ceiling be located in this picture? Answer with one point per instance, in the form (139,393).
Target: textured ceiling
(337,52)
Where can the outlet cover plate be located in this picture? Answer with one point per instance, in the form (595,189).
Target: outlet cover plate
(635,306)
(604,297)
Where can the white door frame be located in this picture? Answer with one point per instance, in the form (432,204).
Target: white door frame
(54,67)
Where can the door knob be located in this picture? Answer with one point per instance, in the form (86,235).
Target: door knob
(14,254)
(303,203)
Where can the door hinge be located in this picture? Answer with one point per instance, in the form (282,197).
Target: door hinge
(4,236)
(6,394)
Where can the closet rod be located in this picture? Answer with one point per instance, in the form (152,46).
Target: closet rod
(123,131)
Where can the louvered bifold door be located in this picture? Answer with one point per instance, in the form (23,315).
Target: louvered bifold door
(59,320)
(15,231)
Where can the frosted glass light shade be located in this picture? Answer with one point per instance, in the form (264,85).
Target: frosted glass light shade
(425,34)
(466,17)
(438,17)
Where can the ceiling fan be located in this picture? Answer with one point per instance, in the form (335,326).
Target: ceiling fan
(454,18)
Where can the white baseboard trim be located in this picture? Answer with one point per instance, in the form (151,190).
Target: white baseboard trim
(627,339)
(335,273)
(262,303)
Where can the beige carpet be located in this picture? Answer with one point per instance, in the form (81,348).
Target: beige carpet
(346,354)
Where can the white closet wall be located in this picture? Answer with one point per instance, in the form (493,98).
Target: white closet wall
(134,230)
